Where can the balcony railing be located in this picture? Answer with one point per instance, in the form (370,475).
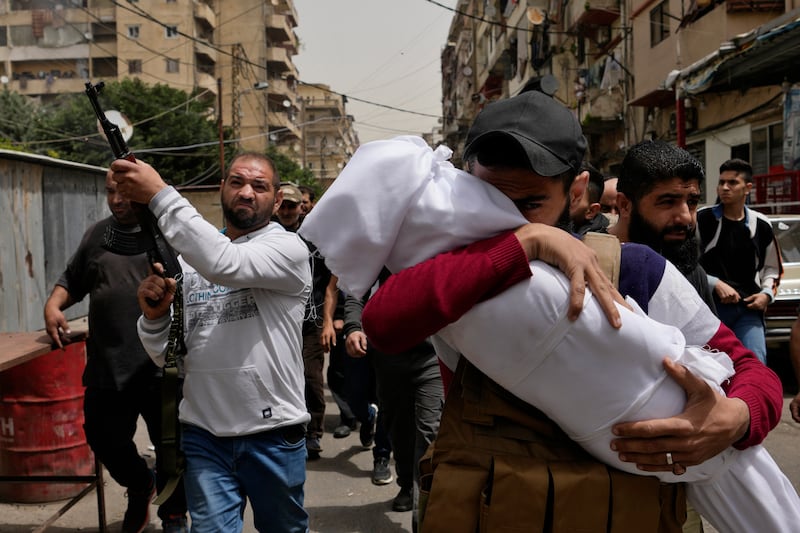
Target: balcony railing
(592,13)
(205,49)
(280,121)
(204,12)
(280,31)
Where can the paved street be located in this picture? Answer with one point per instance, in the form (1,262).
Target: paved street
(339,495)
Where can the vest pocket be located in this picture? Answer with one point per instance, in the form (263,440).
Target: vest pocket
(515,497)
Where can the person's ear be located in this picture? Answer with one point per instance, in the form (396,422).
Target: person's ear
(578,188)
(592,210)
(624,205)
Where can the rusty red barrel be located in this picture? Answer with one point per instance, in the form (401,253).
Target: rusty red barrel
(41,425)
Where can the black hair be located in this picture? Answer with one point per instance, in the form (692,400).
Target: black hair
(307,190)
(740,166)
(650,162)
(596,182)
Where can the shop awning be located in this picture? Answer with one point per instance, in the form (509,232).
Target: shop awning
(768,55)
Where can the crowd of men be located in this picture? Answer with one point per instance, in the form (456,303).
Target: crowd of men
(260,307)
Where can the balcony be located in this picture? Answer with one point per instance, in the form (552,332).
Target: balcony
(592,13)
(280,31)
(279,60)
(36,87)
(332,104)
(36,53)
(286,8)
(283,89)
(204,13)
(603,110)
(280,121)
(205,81)
(203,49)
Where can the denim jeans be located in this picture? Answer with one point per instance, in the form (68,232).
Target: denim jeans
(746,324)
(268,468)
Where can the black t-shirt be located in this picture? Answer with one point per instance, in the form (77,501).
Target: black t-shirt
(115,356)
(733,259)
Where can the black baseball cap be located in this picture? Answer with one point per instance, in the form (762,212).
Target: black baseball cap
(548,132)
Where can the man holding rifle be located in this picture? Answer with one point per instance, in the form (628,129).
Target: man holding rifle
(244,293)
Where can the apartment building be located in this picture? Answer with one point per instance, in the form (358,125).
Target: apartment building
(711,75)
(237,51)
(329,138)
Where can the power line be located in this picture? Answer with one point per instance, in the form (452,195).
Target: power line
(146,15)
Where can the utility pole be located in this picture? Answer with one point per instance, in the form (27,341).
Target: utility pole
(220,129)
(236,105)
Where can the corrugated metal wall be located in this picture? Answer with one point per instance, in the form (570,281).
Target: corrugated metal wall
(45,207)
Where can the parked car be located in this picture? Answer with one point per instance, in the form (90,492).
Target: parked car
(783,311)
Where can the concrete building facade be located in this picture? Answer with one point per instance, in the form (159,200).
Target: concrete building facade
(715,76)
(238,51)
(329,139)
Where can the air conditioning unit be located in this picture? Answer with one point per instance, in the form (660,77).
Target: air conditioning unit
(691,120)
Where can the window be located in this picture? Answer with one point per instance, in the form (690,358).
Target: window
(659,23)
(766,146)
(133,31)
(3,36)
(170,32)
(172,65)
(134,66)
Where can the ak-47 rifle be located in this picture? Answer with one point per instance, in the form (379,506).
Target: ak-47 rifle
(150,240)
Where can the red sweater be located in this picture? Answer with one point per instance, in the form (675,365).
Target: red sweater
(419,301)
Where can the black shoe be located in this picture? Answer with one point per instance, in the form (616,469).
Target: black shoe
(341,432)
(381,473)
(137,515)
(403,502)
(175,524)
(367,431)
(313,447)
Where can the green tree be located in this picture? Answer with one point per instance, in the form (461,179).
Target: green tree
(17,119)
(172,130)
(290,170)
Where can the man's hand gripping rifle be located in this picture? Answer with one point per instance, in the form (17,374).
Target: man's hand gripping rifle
(150,240)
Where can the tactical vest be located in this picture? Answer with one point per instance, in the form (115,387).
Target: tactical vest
(500,465)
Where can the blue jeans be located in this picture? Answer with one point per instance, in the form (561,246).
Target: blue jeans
(746,324)
(269,468)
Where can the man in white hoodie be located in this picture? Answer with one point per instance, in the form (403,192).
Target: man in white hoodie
(244,292)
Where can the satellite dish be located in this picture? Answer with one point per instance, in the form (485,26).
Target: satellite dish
(115,117)
(3,79)
(287,103)
(467,71)
(535,15)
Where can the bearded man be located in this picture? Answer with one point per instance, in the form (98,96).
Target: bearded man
(657,195)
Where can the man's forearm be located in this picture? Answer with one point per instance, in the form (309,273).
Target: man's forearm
(419,301)
(331,298)
(754,383)
(154,335)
